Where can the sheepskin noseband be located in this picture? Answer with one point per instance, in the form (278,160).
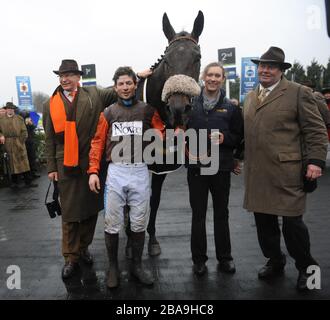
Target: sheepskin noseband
(180,83)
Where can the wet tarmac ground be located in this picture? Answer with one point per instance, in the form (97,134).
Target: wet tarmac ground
(31,240)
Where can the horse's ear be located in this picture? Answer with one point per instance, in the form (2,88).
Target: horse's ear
(198,25)
(167,28)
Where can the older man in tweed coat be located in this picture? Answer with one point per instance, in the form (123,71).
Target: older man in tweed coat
(285,145)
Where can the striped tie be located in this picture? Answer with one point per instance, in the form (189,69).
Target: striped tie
(263,94)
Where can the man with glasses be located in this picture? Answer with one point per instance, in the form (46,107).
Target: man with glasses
(70,118)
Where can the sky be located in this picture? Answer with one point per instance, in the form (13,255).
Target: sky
(37,34)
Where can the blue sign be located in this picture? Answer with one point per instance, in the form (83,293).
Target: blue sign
(249,77)
(230,73)
(24,93)
(88,83)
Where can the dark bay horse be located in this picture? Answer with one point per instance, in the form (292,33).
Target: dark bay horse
(181,56)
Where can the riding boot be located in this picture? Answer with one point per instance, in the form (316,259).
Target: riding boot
(128,248)
(111,242)
(137,271)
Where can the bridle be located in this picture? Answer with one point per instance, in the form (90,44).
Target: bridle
(182,38)
(154,66)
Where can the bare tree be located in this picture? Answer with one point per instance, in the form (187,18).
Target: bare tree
(38,99)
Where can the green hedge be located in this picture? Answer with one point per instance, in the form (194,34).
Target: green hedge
(40,147)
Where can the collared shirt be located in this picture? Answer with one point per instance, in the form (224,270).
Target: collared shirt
(269,89)
(68,95)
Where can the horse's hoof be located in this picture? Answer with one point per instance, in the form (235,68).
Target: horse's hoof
(154,248)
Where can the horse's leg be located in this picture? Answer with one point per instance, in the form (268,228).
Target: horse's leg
(157,181)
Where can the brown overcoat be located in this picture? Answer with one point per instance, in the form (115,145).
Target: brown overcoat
(15,133)
(77,201)
(323,108)
(274,133)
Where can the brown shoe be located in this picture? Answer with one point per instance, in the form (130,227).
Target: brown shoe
(227,266)
(270,272)
(69,269)
(86,257)
(302,280)
(199,269)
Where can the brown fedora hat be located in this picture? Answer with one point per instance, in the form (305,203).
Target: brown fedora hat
(10,105)
(273,55)
(68,65)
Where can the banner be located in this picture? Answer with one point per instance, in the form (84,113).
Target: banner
(230,73)
(227,56)
(249,77)
(24,93)
(89,76)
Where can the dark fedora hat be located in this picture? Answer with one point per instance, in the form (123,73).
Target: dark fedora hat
(326,89)
(68,65)
(273,55)
(10,105)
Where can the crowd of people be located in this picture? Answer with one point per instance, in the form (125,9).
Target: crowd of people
(17,141)
(92,150)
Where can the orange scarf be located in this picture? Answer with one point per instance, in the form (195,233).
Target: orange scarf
(64,123)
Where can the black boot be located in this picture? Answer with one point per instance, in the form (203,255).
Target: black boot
(128,248)
(111,242)
(28,181)
(143,276)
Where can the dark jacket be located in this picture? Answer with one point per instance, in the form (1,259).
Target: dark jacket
(225,117)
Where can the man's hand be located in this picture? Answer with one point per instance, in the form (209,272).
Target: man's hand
(144,74)
(237,167)
(94,183)
(217,137)
(2,140)
(53,176)
(313,172)
(28,121)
